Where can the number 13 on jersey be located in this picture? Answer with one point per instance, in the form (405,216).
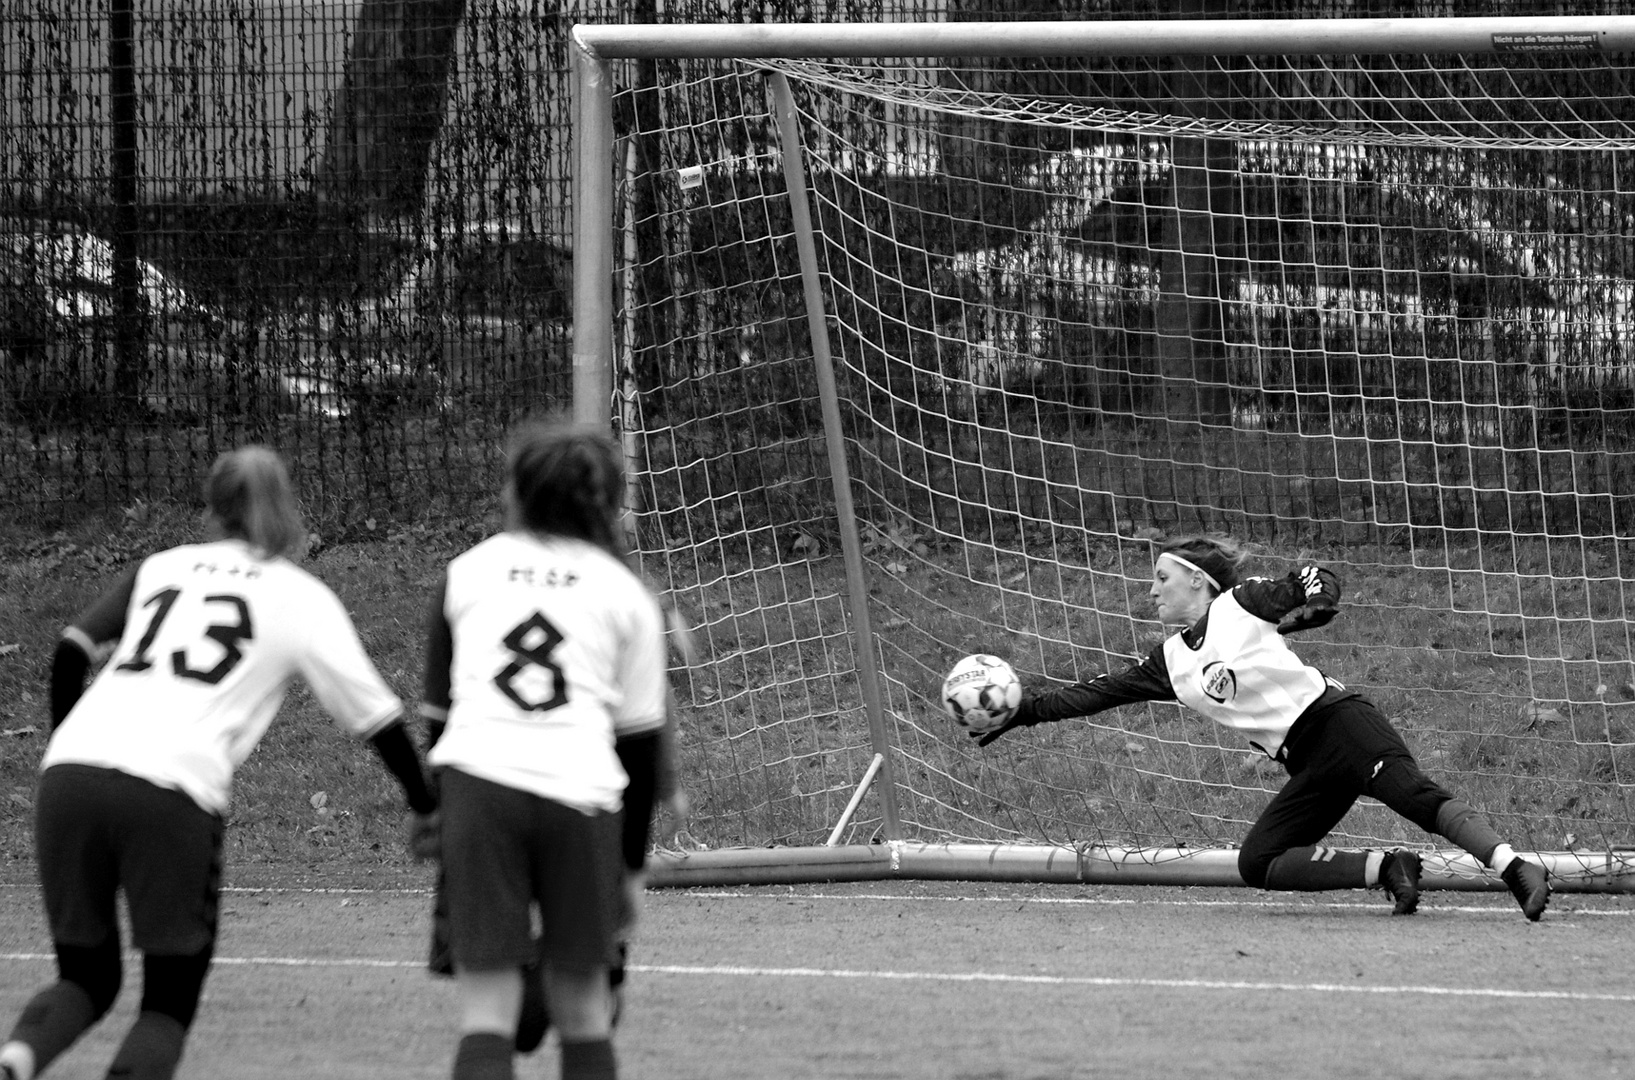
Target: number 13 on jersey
(229,635)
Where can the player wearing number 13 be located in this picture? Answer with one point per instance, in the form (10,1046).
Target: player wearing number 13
(136,777)
(546,678)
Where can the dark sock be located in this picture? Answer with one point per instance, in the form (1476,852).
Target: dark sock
(1317,869)
(151,1050)
(615,982)
(52,1020)
(1458,821)
(592,1060)
(534,1018)
(483,1055)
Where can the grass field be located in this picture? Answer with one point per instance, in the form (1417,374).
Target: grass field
(325,923)
(927,981)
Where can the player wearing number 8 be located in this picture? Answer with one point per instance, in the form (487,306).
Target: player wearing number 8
(135,780)
(546,680)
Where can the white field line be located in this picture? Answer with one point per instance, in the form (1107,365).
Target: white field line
(1117,983)
(256,961)
(292,889)
(1502,904)
(734,971)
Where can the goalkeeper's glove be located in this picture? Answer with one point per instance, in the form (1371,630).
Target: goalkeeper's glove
(1022,717)
(1322,589)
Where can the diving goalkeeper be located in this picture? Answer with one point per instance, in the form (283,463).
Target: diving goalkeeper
(1228,660)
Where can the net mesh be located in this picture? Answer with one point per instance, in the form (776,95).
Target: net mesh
(338,229)
(1370,310)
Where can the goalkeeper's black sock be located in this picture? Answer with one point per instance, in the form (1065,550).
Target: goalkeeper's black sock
(1464,825)
(589,1060)
(483,1055)
(151,1050)
(52,1020)
(1318,869)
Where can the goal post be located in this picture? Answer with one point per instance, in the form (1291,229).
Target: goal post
(920,335)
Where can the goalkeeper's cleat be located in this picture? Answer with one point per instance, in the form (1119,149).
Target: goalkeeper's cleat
(1399,875)
(1530,885)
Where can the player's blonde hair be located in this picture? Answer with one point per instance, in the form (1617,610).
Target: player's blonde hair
(1218,557)
(567,479)
(249,494)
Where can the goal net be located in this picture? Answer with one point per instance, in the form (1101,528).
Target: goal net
(1360,299)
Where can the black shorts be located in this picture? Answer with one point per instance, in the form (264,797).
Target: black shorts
(97,831)
(1347,750)
(506,850)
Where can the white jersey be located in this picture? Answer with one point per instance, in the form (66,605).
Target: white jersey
(1243,675)
(557,649)
(209,640)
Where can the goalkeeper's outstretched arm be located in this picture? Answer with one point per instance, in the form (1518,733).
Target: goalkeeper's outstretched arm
(1147,680)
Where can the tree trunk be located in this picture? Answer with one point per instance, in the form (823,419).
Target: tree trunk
(389,109)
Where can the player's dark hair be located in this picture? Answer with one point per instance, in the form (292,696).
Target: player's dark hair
(1220,558)
(567,480)
(249,494)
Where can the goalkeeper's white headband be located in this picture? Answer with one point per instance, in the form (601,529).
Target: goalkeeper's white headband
(1194,566)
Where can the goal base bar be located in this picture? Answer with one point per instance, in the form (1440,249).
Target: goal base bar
(1570,871)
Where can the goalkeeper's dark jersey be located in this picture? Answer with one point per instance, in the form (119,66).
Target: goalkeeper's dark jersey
(1232,666)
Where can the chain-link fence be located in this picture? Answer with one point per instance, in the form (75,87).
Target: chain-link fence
(341,229)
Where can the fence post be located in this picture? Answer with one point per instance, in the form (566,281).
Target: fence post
(122,165)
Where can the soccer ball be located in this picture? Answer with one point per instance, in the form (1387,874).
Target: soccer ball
(981,693)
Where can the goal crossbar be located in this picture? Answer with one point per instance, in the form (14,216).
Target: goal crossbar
(1181,37)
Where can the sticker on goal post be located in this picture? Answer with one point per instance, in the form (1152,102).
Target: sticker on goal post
(691,177)
(1559,41)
